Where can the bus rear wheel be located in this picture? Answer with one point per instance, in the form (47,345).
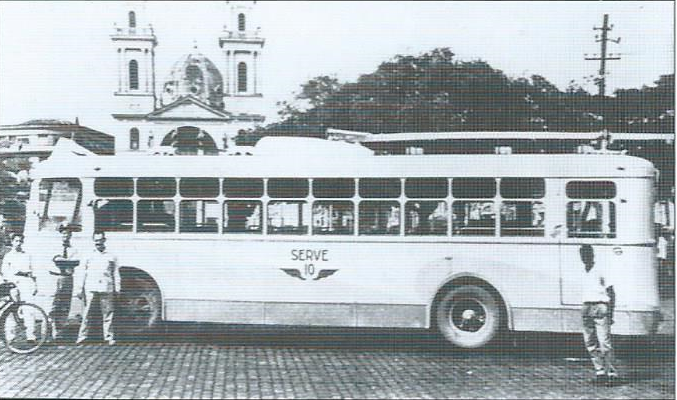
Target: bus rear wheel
(468,316)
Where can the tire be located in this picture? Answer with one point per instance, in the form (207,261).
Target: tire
(468,316)
(139,312)
(13,328)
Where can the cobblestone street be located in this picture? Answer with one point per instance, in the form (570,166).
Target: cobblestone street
(210,361)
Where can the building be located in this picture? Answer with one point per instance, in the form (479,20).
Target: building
(37,138)
(201,104)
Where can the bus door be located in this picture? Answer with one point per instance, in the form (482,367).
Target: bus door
(587,222)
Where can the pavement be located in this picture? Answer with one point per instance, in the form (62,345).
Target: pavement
(215,361)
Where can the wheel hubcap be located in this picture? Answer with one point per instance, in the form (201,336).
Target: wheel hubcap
(467,315)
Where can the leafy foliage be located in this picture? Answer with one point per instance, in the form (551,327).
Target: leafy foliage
(434,92)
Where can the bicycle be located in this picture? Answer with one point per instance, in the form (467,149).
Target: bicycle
(14,326)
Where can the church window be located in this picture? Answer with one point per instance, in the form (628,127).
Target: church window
(133,139)
(240,22)
(133,75)
(242,77)
(132,19)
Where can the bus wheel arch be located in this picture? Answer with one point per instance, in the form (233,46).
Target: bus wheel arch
(469,312)
(140,302)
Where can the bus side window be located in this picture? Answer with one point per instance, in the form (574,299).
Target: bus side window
(199,216)
(286,217)
(333,218)
(155,216)
(591,219)
(473,217)
(242,216)
(379,218)
(113,215)
(522,218)
(425,218)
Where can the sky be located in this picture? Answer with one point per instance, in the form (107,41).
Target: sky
(57,59)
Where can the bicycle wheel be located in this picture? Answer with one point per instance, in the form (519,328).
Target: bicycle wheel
(24,327)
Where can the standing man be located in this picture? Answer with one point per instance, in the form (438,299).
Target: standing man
(17,268)
(63,268)
(101,282)
(598,307)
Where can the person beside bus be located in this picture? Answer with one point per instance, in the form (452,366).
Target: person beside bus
(101,281)
(18,269)
(63,294)
(598,308)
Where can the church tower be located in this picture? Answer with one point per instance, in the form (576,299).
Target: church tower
(242,45)
(135,51)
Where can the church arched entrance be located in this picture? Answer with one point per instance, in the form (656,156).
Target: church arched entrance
(189,140)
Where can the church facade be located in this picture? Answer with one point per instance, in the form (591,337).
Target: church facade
(201,105)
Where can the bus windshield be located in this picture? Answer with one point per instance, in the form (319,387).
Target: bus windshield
(59,202)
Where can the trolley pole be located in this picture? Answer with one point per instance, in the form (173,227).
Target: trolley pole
(603,57)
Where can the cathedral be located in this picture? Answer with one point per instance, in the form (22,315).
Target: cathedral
(201,105)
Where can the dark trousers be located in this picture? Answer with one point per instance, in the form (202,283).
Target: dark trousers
(61,305)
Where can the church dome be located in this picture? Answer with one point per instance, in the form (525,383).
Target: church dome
(194,75)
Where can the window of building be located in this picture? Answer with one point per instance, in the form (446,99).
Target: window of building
(333,218)
(199,187)
(287,217)
(380,188)
(242,77)
(133,75)
(114,187)
(241,216)
(425,218)
(132,19)
(338,188)
(133,139)
(379,218)
(155,216)
(473,218)
(199,216)
(60,202)
(286,188)
(113,215)
(241,22)
(156,187)
(419,188)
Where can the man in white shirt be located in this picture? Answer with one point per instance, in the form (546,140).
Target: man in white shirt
(598,307)
(101,281)
(18,269)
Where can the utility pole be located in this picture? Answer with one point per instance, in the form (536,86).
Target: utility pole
(603,57)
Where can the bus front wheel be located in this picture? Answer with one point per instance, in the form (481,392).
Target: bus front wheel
(468,316)
(140,311)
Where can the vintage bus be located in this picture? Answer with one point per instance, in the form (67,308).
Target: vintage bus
(317,233)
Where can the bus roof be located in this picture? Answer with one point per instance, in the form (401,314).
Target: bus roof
(301,161)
